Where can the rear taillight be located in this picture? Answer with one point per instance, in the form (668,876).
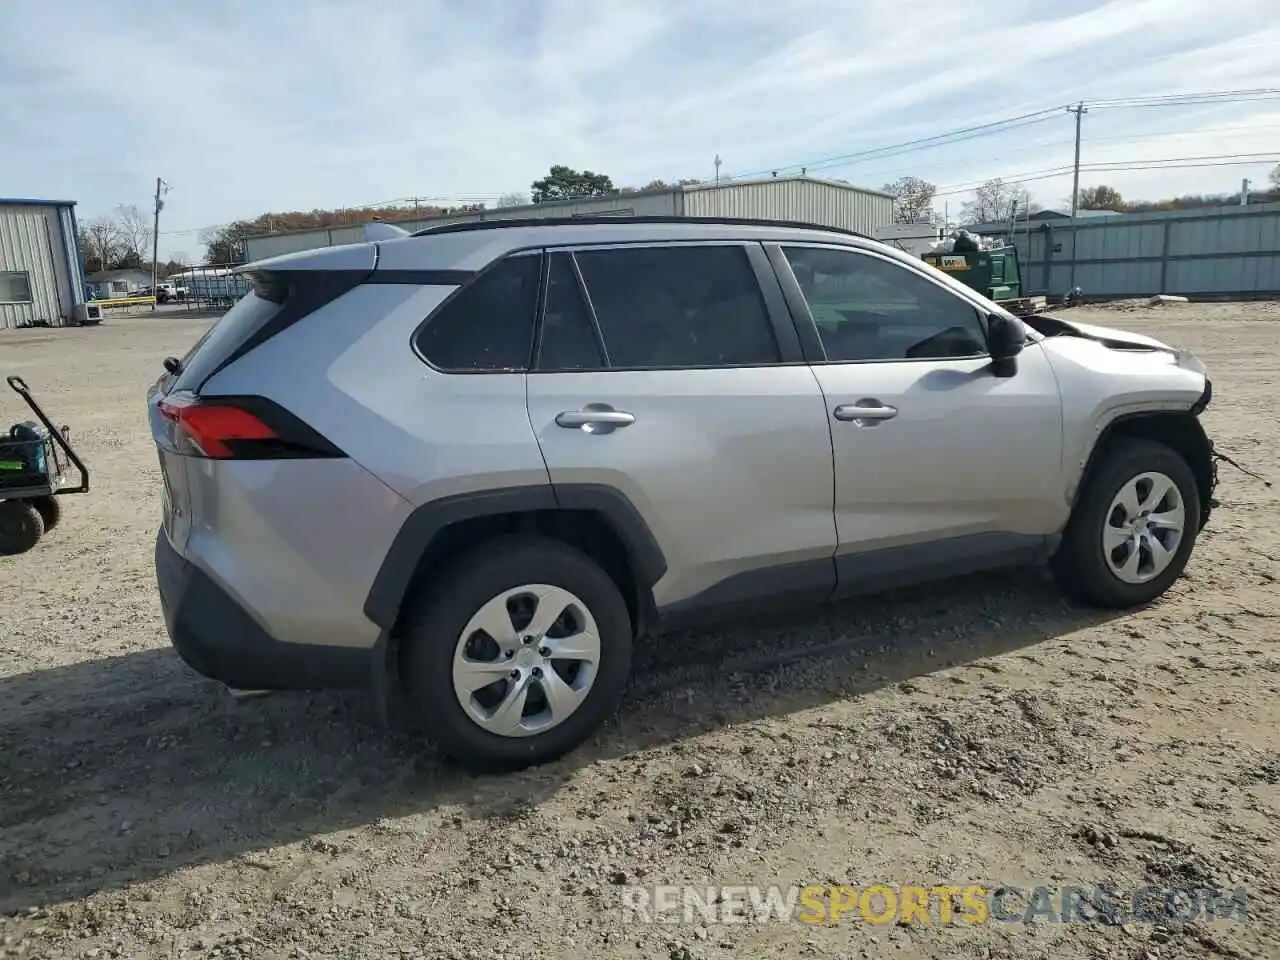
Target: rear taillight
(240,428)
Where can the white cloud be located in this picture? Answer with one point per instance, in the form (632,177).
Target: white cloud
(337,103)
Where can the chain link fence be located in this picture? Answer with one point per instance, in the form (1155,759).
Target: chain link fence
(212,288)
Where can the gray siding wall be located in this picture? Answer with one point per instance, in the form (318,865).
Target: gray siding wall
(31,240)
(1223,251)
(830,205)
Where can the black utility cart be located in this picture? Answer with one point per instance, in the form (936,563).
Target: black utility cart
(34,457)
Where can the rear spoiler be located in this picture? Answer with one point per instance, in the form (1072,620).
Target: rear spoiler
(345,256)
(379,230)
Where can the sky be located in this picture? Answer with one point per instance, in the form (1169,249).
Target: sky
(250,106)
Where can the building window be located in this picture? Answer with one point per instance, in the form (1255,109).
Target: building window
(15,287)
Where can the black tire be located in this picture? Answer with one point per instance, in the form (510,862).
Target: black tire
(1079,564)
(434,623)
(20,527)
(50,510)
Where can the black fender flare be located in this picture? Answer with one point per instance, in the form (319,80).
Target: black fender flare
(1192,442)
(386,595)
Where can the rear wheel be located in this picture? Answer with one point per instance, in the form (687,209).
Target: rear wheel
(50,511)
(1131,533)
(518,654)
(20,526)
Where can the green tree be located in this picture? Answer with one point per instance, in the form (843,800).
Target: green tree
(564,183)
(1101,197)
(1274,177)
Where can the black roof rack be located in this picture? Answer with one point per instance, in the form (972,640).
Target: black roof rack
(468,225)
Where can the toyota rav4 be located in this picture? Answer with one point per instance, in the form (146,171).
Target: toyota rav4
(472,467)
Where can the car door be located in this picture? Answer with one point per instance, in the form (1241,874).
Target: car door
(668,373)
(940,465)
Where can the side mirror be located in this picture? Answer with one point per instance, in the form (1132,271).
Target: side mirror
(1005,339)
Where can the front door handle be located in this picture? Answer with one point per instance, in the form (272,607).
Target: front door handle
(595,418)
(865,410)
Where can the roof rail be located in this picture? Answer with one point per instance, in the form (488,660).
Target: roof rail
(505,224)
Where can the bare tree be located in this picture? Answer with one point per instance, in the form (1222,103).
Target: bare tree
(996,201)
(135,231)
(913,199)
(513,200)
(103,242)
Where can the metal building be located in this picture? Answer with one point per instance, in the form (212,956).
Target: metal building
(41,277)
(831,203)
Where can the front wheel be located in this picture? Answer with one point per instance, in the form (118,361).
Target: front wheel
(518,654)
(1131,533)
(20,527)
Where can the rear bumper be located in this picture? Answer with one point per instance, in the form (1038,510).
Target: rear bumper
(218,639)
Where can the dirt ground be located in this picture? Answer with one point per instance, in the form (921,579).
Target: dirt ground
(984,731)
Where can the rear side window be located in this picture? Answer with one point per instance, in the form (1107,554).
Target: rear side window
(569,340)
(678,306)
(488,324)
(278,299)
(233,329)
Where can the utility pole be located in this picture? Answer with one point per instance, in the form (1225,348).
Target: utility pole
(1244,192)
(161,186)
(1079,110)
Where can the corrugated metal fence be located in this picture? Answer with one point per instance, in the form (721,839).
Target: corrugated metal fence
(1219,252)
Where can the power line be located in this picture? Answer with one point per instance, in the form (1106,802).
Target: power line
(1117,166)
(1190,99)
(922,143)
(1043,145)
(1017,122)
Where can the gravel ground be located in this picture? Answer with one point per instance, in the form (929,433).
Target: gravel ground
(982,731)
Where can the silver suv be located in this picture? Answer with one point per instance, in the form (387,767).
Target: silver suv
(473,466)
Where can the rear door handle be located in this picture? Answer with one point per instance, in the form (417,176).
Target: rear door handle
(595,418)
(852,412)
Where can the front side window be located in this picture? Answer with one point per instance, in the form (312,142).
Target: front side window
(488,324)
(867,308)
(677,306)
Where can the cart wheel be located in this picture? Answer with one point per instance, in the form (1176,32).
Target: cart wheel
(50,510)
(21,526)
